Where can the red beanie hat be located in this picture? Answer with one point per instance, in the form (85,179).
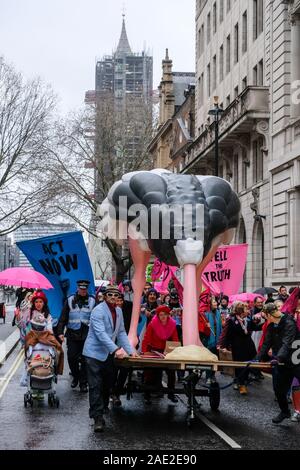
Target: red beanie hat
(39,295)
(163,308)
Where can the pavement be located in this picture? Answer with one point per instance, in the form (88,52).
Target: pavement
(243,422)
(9,335)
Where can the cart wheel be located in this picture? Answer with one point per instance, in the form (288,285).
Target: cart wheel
(214,396)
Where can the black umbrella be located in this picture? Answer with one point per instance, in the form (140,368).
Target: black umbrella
(266,291)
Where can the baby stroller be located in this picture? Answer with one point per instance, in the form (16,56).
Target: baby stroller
(41,361)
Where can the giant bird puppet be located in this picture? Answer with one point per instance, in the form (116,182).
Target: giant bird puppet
(158,191)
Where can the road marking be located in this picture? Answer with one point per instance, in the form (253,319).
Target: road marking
(219,432)
(212,426)
(9,375)
(7,345)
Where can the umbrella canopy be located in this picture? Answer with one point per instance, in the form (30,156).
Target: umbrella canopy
(244,297)
(266,291)
(24,277)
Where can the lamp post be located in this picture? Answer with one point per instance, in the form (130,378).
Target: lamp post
(216,112)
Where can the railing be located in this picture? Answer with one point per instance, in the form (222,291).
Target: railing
(253,101)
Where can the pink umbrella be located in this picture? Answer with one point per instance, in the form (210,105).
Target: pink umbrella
(244,297)
(24,277)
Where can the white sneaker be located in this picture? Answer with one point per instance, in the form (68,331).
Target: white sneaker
(296,417)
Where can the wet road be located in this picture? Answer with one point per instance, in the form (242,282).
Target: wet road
(160,426)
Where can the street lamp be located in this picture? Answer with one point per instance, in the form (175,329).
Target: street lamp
(216,112)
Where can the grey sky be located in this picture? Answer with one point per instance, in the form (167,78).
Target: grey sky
(59,40)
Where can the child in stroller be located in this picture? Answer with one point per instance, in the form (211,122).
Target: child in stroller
(44,361)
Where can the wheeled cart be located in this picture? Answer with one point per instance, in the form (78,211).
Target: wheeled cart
(195,370)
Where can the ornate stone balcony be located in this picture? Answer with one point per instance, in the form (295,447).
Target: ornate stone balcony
(296,7)
(249,112)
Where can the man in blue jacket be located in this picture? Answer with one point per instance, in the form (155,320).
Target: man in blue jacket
(106,340)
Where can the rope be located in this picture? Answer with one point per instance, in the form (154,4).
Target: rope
(224,387)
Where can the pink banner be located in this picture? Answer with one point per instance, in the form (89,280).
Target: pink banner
(162,274)
(291,303)
(225,272)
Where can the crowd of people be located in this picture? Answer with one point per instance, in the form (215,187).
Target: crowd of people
(95,328)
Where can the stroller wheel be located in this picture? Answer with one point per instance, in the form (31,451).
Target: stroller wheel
(31,402)
(25,400)
(57,402)
(50,400)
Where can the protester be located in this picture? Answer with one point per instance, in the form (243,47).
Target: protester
(38,339)
(176,312)
(161,329)
(152,302)
(214,319)
(122,372)
(256,314)
(106,340)
(270,299)
(100,294)
(279,305)
(296,400)
(236,337)
(33,302)
(165,298)
(147,287)
(21,293)
(224,309)
(283,295)
(75,317)
(128,292)
(297,315)
(281,335)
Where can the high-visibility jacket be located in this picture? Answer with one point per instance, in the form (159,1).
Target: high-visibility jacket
(79,316)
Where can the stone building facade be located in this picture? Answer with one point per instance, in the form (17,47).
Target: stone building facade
(176,129)
(248,55)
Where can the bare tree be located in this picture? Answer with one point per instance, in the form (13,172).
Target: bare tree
(93,149)
(25,121)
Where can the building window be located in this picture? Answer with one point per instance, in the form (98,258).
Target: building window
(227,101)
(202,40)
(236,172)
(255,75)
(208,80)
(244,83)
(228,6)
(245,170)
(214,72)
(236,43)
(258,18)
(228,54)
(258,160)
(201,91)
(221,3)
(236,92)
(245,33)
(208,28)
(221,64)
(260,73)
(215,18)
